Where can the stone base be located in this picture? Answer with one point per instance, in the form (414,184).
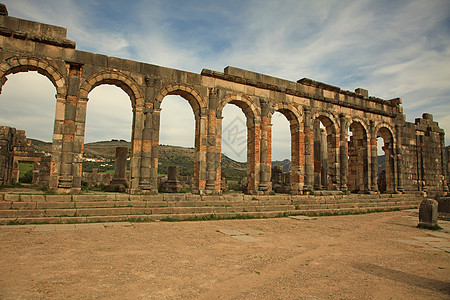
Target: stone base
(117,185)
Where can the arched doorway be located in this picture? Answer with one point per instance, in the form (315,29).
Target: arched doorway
(176,144)
(325,154)
(386,178)
(107,130)
(358,155)
(196,103)
(28,114)
(238,133)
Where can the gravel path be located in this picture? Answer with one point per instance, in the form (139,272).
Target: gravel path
(372,256)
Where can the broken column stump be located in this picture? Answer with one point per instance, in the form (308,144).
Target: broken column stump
(119,182)
(428,213)
(173,184)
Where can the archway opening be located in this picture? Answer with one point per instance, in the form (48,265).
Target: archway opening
(325,154)
(27,117)
(107,139)
(385,176)
(357,180)
(177,151)
(282,158)
(234,156)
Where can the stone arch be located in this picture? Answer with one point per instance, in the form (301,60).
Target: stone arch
(358,152)
(363,124)
(134,91)
(119,79)
(199,107)
(293,116)
(253,116)
(385,180)
(189,93)
(44,67)
(388,129)
(289,111)
(328,119)
(243,102)
(326,151)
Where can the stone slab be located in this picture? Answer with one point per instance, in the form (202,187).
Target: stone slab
(302,218)
(246,238)
(231,232)
(89,226)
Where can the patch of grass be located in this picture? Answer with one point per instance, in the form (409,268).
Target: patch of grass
(343,213)
(139,220)
(434,227)
(15,222)
(47,190)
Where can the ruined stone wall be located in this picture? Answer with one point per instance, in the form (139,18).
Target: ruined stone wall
(423,157)
(31,46)
(14,149)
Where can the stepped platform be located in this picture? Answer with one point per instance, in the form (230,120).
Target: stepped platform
(109,207)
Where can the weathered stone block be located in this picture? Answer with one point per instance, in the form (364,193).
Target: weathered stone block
(428,213)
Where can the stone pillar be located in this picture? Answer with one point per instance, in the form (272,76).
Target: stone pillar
(297,163)
(309,151)
(119,182)
(155,123)
(58,132)
(201,146)
(323,159)
(253,155)
(145,183)
(265,155)
(343,151)
(374,156)
(317,155)
(443,162)
(138,146)
(173,184)
(120,169)
(213,148)
(399,154)
(73,134)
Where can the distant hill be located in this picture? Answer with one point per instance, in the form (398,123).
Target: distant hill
(286,164)
(169,156)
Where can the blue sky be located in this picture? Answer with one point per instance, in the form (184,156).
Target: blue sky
(392,48)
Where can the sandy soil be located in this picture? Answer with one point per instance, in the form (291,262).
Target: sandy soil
(373,256)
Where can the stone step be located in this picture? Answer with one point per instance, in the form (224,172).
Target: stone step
(191,216)
(12,214)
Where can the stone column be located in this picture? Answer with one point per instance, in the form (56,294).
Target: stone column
(58,133)
(213,149)
(200,160)
(119,182)
(297,164)
(317,155)
(399,156)
(73,134)
(155,122)
(323,159)
(120,168)
(374,156)
(173,184)
(146,153)
(253,155)
(309,151)
(343,152)
(265,163)
(443,162)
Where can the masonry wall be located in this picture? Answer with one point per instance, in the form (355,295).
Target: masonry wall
(31,46)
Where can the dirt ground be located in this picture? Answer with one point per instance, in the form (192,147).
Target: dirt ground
(372,256)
